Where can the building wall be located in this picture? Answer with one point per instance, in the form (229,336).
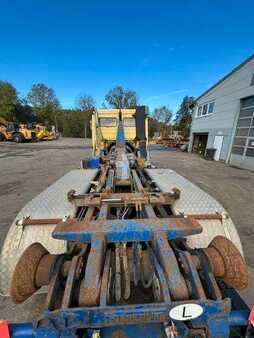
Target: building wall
(227,97)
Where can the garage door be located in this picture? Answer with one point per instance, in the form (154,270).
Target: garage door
(243,147)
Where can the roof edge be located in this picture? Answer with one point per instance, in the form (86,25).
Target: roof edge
(227,76)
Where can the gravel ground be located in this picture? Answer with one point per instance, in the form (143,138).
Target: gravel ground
(27,169)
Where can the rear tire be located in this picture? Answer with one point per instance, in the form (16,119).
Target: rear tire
(18,138)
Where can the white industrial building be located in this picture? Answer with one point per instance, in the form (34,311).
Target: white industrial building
(224,118)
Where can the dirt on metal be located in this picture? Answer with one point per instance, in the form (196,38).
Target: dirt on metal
(23,278)
(230,264)
(42,276)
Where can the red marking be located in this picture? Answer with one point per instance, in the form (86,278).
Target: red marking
(4,329)
(251,317)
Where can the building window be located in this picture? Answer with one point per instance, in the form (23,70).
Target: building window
(242,132)
(250,152)
(247,102)
(200,110)
(246,112)
(246,122)
(211,107)
(240,141)
(205,109)
(238,150)
(251,143)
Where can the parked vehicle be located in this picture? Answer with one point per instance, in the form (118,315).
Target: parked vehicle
(43,134)
(13,131)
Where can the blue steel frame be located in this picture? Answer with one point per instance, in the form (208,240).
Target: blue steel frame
(147,320)
(129,230)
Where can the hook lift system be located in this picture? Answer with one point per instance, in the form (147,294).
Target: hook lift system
(144,253)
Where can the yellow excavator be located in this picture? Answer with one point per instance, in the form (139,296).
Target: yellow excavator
(43,134)
(13,131)
(5,134)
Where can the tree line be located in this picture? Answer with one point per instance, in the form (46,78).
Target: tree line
(41,105)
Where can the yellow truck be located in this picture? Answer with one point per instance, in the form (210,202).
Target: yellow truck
(104,126)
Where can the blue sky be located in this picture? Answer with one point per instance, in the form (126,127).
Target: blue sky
(162,49)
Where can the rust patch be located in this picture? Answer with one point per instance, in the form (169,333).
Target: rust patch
(23,278)
(187,224)
(90,285)
(118,334)
(235,272)
(39,221)
(43,270)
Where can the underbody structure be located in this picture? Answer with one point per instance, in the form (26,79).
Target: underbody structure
(126,250)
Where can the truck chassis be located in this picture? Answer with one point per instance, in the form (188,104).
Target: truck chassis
(126,251)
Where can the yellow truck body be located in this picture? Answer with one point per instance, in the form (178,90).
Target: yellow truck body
(104,126)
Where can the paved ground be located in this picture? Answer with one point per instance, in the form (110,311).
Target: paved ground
(27,169)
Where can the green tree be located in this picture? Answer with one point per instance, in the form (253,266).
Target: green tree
(119,97)
(24,112)
(44,102)
(183,117)
(153,127)
(8,100)
(86,105)
(73,123)
(163,115)
(85,102)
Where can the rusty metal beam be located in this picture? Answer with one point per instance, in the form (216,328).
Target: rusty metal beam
(39,221)
(114,200)
(70,282)
(126,230)
(90,285)
(208,216)
(105,279)
(177,285)
(120,199)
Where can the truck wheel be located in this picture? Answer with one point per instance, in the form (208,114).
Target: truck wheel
(18,138)
(2,137)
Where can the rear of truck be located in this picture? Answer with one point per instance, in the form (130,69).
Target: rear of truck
(104,126)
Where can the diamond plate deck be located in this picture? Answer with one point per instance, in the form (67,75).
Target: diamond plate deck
(193,200)
(51,203)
